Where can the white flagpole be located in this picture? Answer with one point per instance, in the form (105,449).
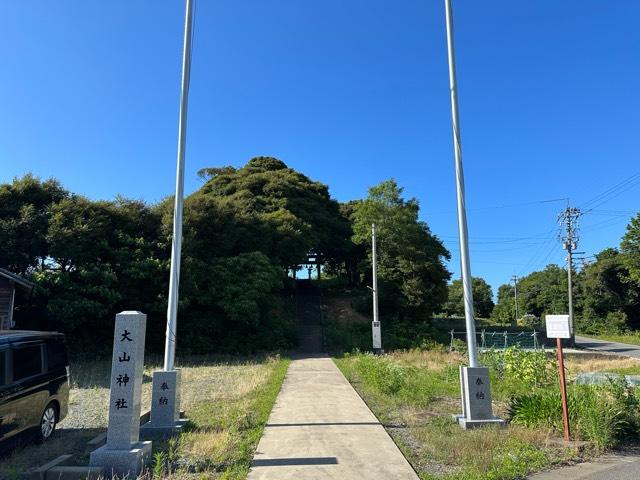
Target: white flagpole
(176,248)
(462,214)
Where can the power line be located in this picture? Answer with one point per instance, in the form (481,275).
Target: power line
(495,207)
(611,193)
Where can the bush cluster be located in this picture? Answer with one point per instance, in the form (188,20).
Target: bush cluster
(531,368)
(603,414)
(384,374)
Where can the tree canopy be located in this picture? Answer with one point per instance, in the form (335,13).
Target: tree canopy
(606,291)
(412,276)
(244,230)
(630,248)
(270,208)
(482,298)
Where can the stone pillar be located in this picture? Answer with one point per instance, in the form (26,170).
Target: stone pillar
(477,409)
(165,406)
(123,453)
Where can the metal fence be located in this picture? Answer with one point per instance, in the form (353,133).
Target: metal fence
(501,339)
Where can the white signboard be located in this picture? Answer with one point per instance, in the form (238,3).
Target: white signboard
(558,326)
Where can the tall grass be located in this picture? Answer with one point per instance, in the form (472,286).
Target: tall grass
(414,393)
(403,380)
(602,414)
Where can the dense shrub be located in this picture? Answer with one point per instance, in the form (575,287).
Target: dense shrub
(530,321)
(383,373)
(616,322)
(603,414)
(529,367)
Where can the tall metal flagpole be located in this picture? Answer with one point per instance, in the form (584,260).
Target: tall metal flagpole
(462,214)
(174,280)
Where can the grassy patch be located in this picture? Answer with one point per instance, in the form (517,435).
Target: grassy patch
(227,401)
(586,362)
(225,430)
(632,338)
(414,393)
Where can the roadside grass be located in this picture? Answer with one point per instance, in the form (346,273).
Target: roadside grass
(632,338)
(227,421)
(227,401)
(415,392)
(585,362)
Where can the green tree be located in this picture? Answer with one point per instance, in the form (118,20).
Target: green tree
(104,257)
(630,248)
(607,292)
(242,230)
(482,298)
(232,304)
(276,210)
(24,221)
(504,310)
(412,276)
(539,293)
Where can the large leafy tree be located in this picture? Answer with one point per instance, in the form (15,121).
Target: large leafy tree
(24,221)
(276,210)
(482,298)
(504,310)
(603,285)
(413,278)
(103,257)
(608,298)
(242,230)
(630,248)
(539,293)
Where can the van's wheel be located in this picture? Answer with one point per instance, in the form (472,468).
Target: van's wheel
(48,422)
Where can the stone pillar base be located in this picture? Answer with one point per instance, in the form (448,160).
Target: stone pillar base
(122,462)
(151,431)
(469,424)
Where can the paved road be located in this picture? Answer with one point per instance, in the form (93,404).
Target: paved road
(321,429)
(623,349)
(609,467)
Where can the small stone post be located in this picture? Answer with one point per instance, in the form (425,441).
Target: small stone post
(476,398)
(123,453)
(165,406)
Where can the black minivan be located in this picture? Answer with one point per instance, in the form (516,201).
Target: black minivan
(34,382)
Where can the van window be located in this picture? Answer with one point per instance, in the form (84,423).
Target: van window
(56,355)
(3,368)
(27,361)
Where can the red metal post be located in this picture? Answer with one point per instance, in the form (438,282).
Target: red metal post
(563,391)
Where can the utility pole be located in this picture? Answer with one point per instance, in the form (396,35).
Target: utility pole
(514,278)
(474,380)
(568,220)
(375,325)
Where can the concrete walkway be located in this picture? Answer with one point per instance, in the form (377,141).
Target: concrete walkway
(320,428)
(623,349)
(608,467)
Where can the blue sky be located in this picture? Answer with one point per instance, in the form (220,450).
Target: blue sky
(350,93)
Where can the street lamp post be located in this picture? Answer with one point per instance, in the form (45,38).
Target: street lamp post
(375,325)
